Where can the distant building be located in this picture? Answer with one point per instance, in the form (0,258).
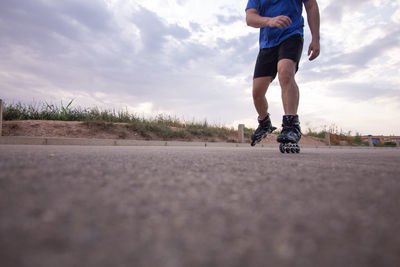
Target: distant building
(381,139)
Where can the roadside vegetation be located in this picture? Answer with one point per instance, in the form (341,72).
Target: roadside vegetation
(161,126)
(337,137)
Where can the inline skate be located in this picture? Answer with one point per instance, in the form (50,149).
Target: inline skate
(290,135)
(264,128)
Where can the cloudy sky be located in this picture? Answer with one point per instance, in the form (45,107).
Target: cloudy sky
(194,60)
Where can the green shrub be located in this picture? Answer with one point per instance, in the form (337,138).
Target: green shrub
(386,144)
(312,133)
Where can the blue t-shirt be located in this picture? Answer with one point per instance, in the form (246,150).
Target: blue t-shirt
(270,37)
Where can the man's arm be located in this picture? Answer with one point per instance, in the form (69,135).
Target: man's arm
(313,22)
(253,19)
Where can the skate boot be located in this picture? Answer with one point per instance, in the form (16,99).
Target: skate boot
(291,134)
(264,128)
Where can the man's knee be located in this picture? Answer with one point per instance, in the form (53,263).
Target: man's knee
(258,93)
(260,86)
(286,71)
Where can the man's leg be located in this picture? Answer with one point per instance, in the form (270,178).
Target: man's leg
(291,133)
(290,90)
(260,87)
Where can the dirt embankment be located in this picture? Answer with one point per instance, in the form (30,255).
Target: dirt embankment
(102,130)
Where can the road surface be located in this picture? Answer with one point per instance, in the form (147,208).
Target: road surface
(192,206)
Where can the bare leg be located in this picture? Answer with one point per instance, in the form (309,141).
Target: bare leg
(260,86)
(290,90)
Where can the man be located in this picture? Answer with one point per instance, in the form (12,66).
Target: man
(281,42)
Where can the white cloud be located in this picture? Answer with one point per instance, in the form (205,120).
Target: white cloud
(396,16)
(145,108)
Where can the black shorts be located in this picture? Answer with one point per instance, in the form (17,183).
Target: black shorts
(268,58)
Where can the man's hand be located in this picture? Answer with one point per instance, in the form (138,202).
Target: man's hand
(313,50)
(280,22)
(313,21)
(253,19)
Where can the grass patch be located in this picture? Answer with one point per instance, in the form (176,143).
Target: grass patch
(153,127)
(386,144)
(45,111)
(159,127)
(312,133)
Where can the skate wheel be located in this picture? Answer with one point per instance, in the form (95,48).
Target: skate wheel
(297,149)
(282,148)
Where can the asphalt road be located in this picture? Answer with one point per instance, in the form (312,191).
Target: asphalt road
(190,206)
